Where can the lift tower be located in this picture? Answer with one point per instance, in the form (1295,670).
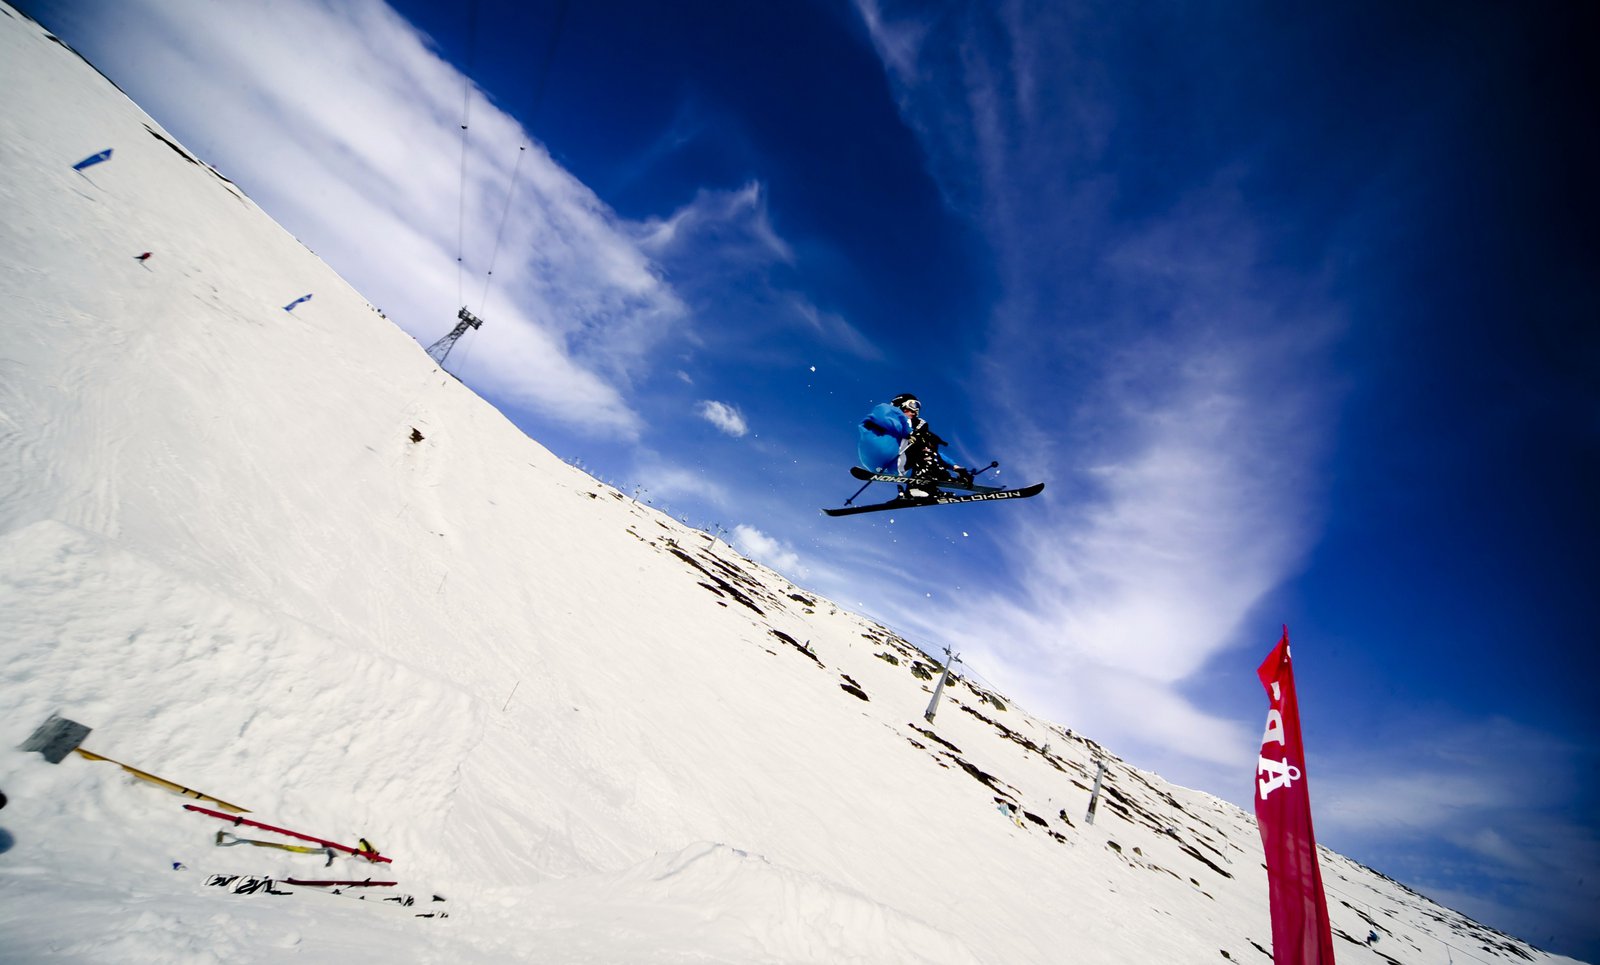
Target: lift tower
(438,350)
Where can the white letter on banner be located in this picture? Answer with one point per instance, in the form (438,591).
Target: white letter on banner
(1274,731)
(1282,774)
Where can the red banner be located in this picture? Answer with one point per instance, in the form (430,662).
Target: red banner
(1300,932)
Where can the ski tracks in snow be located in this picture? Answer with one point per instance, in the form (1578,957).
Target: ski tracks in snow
(708,902)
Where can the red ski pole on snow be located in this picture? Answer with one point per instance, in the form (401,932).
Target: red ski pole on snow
(367,852)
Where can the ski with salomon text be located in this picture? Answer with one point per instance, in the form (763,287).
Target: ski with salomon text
(938,499)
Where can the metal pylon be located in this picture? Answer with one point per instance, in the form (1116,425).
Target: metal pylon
(440,349)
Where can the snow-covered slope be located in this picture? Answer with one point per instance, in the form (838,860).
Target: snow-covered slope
(281,558)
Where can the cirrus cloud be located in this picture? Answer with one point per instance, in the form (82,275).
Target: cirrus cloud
(724,416)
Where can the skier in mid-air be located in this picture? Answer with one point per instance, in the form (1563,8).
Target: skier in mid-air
(895,445)
(894,434)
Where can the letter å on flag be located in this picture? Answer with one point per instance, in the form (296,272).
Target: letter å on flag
(1300,932)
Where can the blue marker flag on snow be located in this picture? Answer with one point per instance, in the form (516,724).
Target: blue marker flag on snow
(290,307)
(92,160)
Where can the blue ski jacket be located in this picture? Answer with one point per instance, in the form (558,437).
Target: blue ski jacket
(881,434)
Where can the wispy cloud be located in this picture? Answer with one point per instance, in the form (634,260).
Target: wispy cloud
(671,485)
(835,330)
(1464,808)
(737,220)
(773,552)
(574,307)
(896,41)
(739,274)
(1166,364)
(1180,459)
(724,416)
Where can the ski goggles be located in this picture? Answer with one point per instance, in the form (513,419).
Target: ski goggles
(911,405)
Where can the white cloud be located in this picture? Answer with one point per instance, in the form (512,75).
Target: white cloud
(737,221)
(1188,504)
(1179,457)
(897,42)
(669,484)
(1450,803)
(342,122)
(724,416)
(765,549)
(1440,770)
(835,331)
(725,257)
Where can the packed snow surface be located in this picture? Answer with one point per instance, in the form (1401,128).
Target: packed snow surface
(280,558)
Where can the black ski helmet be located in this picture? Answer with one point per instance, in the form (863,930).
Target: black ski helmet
(906,400)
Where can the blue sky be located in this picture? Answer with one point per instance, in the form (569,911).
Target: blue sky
(1292,309)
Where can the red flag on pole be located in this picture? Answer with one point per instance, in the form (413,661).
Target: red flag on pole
(1300,932)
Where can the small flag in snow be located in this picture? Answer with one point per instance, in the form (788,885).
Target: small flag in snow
(92,160)
(290,307)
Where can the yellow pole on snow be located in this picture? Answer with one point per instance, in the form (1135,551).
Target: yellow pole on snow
(163,782)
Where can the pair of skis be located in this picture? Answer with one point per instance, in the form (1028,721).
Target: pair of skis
(938,492)
(283,887)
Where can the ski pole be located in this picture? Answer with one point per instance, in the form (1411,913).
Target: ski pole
(365,851)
